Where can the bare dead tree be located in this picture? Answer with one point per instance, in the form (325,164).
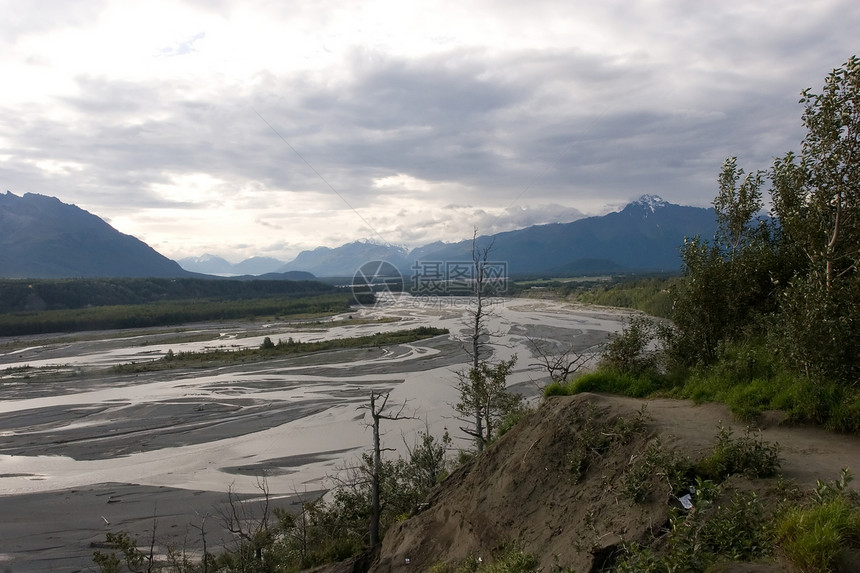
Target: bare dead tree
(560,362)
(480,260)
(483,394)
(470,381)
(296,526)
(150,559)
(202,529)
(249,526)
(379,412)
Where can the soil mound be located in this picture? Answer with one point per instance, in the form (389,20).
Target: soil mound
(557,485)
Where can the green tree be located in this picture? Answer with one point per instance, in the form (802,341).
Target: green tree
(631,350)
(484,395)
(816,195)
(728,280)
(484,398)
(736,205)
(795,280)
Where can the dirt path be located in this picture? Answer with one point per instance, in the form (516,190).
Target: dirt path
(807,453)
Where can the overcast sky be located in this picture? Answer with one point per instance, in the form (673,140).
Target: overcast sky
(243,128)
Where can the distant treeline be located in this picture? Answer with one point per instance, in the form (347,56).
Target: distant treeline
(168,313)
(652,295)
(55,294)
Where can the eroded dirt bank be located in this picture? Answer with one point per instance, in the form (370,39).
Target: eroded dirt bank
(522,489)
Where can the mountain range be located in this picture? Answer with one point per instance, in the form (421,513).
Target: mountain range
(41,237)
(645,236)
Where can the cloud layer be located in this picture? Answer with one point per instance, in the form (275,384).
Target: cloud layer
(250,128)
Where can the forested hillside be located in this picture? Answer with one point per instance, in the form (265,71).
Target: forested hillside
(63,305)
(19,295)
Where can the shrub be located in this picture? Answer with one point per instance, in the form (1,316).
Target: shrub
(749,456)
(557,389)
(596,436)
(630,351)
(737,531)
(656,467)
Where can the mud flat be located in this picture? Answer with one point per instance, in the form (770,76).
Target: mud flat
(83,452)
(60,530)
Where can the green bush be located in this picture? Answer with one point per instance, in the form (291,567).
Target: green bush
(557,389)
(709,532)
(845,416)
(630,351)
(749,456)
(657,468)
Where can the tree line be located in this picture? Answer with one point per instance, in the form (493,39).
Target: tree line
(170,312)
(18,295)
(789,282)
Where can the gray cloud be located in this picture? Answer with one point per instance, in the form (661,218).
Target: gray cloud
(524,136)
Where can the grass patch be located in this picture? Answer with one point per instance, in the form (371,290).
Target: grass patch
(746,376)
(832,406)
(815,538)
(609,381)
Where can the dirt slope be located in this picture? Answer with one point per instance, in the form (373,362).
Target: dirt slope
(524,488)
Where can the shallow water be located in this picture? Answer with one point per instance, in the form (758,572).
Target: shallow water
(293,420)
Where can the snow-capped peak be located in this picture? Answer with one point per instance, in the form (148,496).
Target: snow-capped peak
(651,202)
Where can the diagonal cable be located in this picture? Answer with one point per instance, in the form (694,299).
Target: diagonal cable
(323,179)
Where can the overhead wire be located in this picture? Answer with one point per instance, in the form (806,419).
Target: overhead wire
(323,179)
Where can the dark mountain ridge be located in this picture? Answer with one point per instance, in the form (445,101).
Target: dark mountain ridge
(645,236)
(42,237)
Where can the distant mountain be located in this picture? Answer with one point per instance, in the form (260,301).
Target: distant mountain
(343,261)
(258,266)
(41,237)
(215,265)
(646,235)
(207,264)
(285,276)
